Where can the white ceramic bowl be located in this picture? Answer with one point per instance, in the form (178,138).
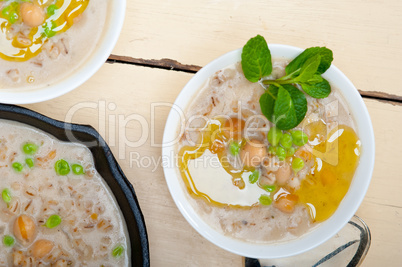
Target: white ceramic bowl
(108,39)
(326,229)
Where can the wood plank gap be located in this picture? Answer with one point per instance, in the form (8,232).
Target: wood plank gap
(381,96)
(170,64)
(164,63)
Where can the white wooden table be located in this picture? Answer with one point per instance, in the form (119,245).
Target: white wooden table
(163,43)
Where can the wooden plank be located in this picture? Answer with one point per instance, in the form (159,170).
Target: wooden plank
(365,36)
(173,242)
(382,206)
(170,64)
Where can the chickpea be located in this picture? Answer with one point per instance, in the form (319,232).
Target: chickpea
(217,146)
(286,203)
(24,229)
(253,153)
(41,248)
(283,174)
(32,15)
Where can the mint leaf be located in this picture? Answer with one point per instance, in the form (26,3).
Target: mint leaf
(326,59)
(284,104)
(267,102)
(256,59)
(315,79)
(308,69)
(287,110)
(290,76)
(284,111)
(299,102)
(317,90)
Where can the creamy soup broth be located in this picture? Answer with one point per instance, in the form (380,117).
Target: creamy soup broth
(92,224)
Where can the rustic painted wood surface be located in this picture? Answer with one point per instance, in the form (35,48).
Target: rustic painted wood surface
(365,36)
(173,242)
(159,35)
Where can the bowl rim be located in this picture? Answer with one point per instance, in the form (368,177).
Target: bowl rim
(83,72)
(105,163)
(326,229)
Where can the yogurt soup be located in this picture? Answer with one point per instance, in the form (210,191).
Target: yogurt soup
(55,210)
(43,41)
(251,187)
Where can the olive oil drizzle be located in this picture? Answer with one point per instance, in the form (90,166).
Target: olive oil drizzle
(327,184)
(320,192)
(211,131)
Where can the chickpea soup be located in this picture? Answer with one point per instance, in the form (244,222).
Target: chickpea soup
(252,181)
(55,208)
(42,42)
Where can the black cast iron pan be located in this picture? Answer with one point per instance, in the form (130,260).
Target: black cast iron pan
(105,164)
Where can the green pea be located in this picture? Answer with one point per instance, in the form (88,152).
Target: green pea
(297,164)
(29,162)
(61,167)
(118,251)
(6,195)
(272,150)
(299,138)
(11,12)
(253,178)
(8,240)
(49,30)
(290,151)
(77,169)
(274,135)
(280,153)
(6,11)
(18,167)
(53,221)
(13,17)
(234,148)
(52,9)
(269,188)
(265,200)
(286,140)
(30,148)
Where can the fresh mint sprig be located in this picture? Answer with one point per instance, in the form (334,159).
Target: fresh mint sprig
(282,103)
(256,59)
